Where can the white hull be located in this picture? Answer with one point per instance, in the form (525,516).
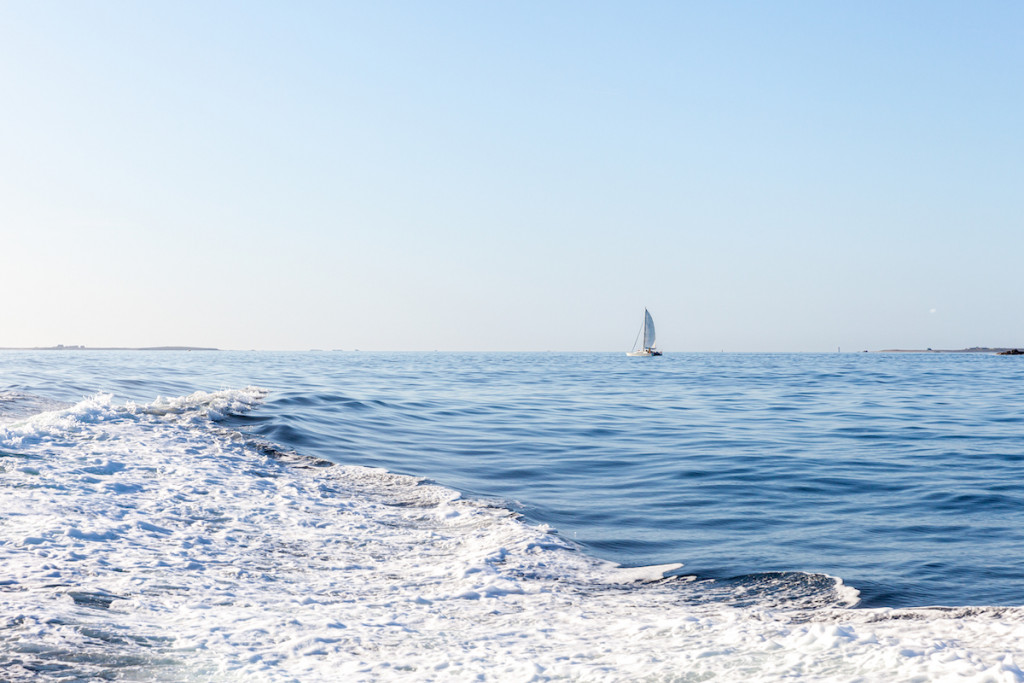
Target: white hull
(645,352)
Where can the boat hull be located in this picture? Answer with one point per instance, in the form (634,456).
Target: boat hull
(644,353)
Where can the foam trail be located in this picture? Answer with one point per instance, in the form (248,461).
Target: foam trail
(144,542)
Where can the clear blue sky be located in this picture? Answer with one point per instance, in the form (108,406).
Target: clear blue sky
(785,176)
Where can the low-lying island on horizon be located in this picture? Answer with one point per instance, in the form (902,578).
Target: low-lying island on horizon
(78,347)
(998,350)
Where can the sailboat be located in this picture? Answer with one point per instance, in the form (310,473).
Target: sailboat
(648,348)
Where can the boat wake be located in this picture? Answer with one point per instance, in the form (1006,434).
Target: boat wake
(152,542)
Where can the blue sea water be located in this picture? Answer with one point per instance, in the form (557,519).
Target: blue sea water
(898,473)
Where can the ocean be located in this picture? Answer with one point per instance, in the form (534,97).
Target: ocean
(324,516)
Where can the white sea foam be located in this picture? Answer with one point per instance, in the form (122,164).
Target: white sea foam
(143,541)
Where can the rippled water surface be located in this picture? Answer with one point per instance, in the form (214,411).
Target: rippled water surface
(899,473)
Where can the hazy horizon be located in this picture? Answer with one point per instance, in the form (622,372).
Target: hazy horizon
(189,347)
(512,177)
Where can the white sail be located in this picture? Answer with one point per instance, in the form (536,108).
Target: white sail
(648,330)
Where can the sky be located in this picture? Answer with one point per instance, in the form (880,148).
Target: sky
(512,176)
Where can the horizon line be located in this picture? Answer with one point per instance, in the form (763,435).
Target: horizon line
(81,347)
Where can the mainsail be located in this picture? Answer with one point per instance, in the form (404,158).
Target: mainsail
(648,330)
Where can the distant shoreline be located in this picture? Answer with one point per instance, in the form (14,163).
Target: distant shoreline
(61,347)
(973,349)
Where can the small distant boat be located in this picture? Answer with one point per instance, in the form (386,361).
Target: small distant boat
(648,348)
